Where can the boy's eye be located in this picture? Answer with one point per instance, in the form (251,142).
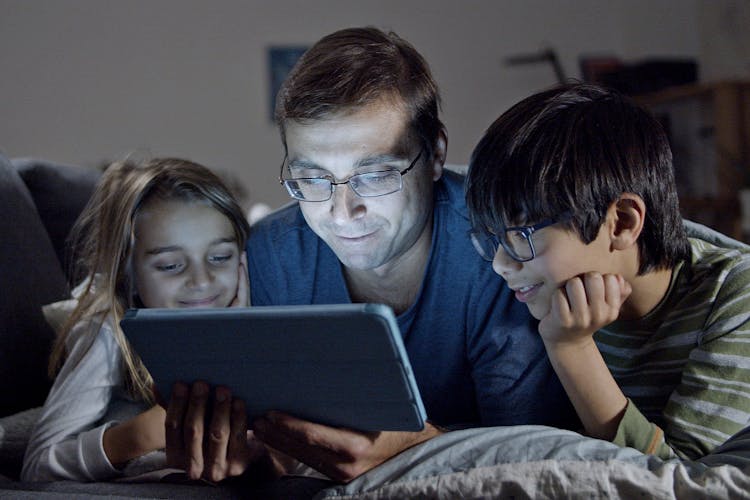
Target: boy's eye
(516,236)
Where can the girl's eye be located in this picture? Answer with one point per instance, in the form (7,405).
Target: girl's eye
(219,259)
(169,268)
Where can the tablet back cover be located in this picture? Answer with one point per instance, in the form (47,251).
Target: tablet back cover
(341,365)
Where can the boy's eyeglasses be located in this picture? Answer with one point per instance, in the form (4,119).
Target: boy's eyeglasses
(516,241)
(366,185)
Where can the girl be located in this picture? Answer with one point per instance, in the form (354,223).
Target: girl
(165,233)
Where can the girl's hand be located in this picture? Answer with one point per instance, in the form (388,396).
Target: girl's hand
(242,298)
(585,304)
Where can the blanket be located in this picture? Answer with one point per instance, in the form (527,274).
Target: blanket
(545,463)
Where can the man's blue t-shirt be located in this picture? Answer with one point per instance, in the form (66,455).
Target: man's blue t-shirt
(474,349)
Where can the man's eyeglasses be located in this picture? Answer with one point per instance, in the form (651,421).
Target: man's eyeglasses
(516,241)
(366,185)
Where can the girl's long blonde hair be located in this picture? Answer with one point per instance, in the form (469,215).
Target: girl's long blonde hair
(103,238)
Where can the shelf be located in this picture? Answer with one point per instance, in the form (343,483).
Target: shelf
(723,111)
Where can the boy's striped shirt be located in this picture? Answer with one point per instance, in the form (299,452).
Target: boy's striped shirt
(686,366)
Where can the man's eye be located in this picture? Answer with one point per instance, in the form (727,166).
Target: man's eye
(374,178)
(310,174)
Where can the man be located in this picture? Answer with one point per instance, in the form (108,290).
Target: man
(378,220)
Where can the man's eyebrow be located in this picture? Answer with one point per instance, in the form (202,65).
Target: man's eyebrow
(178,248)
(302,163)
(380,159)
(363,162)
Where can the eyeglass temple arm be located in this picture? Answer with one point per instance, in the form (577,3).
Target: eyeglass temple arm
(281,170)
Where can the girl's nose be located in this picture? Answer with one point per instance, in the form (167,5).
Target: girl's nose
(199,276)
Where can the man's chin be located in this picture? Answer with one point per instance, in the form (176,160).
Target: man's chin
(359,262)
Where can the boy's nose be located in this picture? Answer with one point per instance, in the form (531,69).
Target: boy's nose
(503,264)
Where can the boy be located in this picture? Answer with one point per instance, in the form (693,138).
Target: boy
(647,328)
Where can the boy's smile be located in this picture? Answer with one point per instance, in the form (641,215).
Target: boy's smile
(560,256)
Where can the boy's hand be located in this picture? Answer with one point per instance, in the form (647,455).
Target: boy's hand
(585,304)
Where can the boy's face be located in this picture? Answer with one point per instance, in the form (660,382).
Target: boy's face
(560,256)
(185,255)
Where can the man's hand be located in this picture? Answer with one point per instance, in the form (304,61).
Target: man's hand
(222,450)
(341,454)
(584,305)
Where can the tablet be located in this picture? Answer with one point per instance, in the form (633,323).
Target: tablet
(341,365)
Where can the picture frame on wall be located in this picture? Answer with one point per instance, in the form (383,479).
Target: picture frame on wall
(281,60)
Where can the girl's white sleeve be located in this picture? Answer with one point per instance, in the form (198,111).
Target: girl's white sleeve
(67,440)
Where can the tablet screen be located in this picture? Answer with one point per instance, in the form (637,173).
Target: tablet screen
(342,365)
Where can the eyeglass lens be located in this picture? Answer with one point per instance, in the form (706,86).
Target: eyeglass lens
(365,185)
(485,244)
(517,243)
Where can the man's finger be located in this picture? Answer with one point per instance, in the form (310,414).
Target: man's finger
(316,445)
(192,431)
(238,452)
(215,465)
(173,426)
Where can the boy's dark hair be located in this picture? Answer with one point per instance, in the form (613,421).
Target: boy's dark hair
(577,148)
(354,67)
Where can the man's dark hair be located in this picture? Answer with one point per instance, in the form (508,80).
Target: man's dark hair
(577,148)
(354,67)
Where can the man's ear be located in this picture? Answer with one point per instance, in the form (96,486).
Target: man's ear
(628,213)
(439,155)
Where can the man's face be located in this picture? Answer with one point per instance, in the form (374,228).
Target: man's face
(372,232)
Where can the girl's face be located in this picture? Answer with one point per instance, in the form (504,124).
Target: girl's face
(186,255)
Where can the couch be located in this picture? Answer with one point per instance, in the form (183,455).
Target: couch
(39,201)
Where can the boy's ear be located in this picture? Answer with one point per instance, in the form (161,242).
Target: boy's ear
(629,215)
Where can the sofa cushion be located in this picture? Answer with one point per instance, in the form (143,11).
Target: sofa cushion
(30,275)
(15,431)
(59,192)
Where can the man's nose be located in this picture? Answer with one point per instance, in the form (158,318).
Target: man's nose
(345,203)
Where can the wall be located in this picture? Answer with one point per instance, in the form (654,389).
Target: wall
(87,81)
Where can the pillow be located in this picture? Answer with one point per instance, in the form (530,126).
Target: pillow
(30,275)
(57,313)
(59,192)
